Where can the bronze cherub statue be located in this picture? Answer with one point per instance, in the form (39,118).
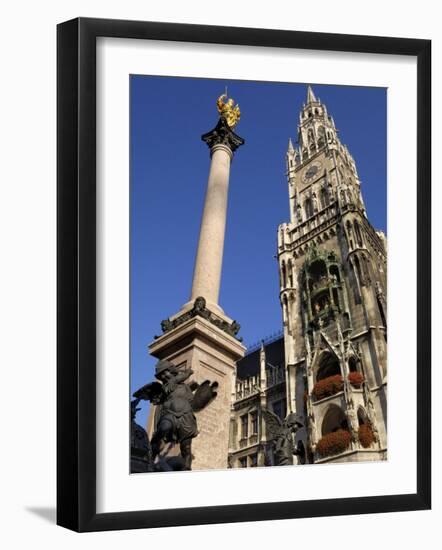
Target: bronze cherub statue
(178,401)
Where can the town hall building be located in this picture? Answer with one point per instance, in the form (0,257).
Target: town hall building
(330,365)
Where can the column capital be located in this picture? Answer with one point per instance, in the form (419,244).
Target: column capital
(222,134)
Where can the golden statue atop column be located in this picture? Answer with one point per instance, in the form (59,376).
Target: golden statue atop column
(228,110)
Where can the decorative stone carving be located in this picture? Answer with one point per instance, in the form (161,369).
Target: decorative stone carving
(199,308)
(222,134)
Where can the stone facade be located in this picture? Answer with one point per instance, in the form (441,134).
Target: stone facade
(333,285)
(260,382)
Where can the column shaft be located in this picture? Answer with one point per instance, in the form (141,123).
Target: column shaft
(208,264)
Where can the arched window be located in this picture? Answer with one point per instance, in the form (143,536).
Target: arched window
(343,199)
(321,136)
(325,199)
(349,233)
(358,233)
(382,315)
(362,417)
(358,271)
(328,366)
(334,420)
(366,269)
(283,274)
(308,208)
(286,313)
(352,364)
(334,271)
(290,272)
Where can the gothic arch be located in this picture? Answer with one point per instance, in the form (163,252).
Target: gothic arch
(283,274)
(358,271)
(324,197)
(349,233)
(362,416)
(308,208)
(321,136)
(334,420)
(328,365)
(290,273)
(358,233)
(353,364)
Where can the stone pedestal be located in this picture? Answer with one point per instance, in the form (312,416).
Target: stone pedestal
(211,353)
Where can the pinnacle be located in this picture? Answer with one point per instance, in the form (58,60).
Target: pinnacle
(310,95)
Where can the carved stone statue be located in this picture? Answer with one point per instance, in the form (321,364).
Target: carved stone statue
(178,401)
(282,434)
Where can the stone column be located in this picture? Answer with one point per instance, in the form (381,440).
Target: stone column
(200,336)
(208,263)
(222,142)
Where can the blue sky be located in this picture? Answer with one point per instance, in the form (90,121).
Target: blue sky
(169,169)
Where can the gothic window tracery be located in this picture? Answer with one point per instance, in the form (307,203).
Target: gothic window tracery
(343,198)
(324,196)
(290,273)
(283,274)
(358,271)
(358,233)
(352,364)
(321,136)
(308,208)
(349,233)
(328,366)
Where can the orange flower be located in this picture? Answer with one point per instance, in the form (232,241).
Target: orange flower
(333,443)
(328,386)
(365,435)
(356,379)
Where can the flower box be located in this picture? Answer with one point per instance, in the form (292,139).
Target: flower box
(333,443)
(328,386)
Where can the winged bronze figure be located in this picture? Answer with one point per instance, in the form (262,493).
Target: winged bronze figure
(178,401)
(282,434)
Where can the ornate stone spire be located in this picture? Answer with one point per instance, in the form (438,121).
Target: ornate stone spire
(310,95)
(290,148)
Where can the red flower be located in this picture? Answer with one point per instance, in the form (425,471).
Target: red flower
(333,443)
(356,378)
(365,435)
(328,386)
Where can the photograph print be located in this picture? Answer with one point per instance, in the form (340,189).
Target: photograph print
(258,274)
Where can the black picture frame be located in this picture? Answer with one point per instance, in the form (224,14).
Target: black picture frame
(76,273)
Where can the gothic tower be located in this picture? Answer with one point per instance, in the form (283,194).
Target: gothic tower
(332,266)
